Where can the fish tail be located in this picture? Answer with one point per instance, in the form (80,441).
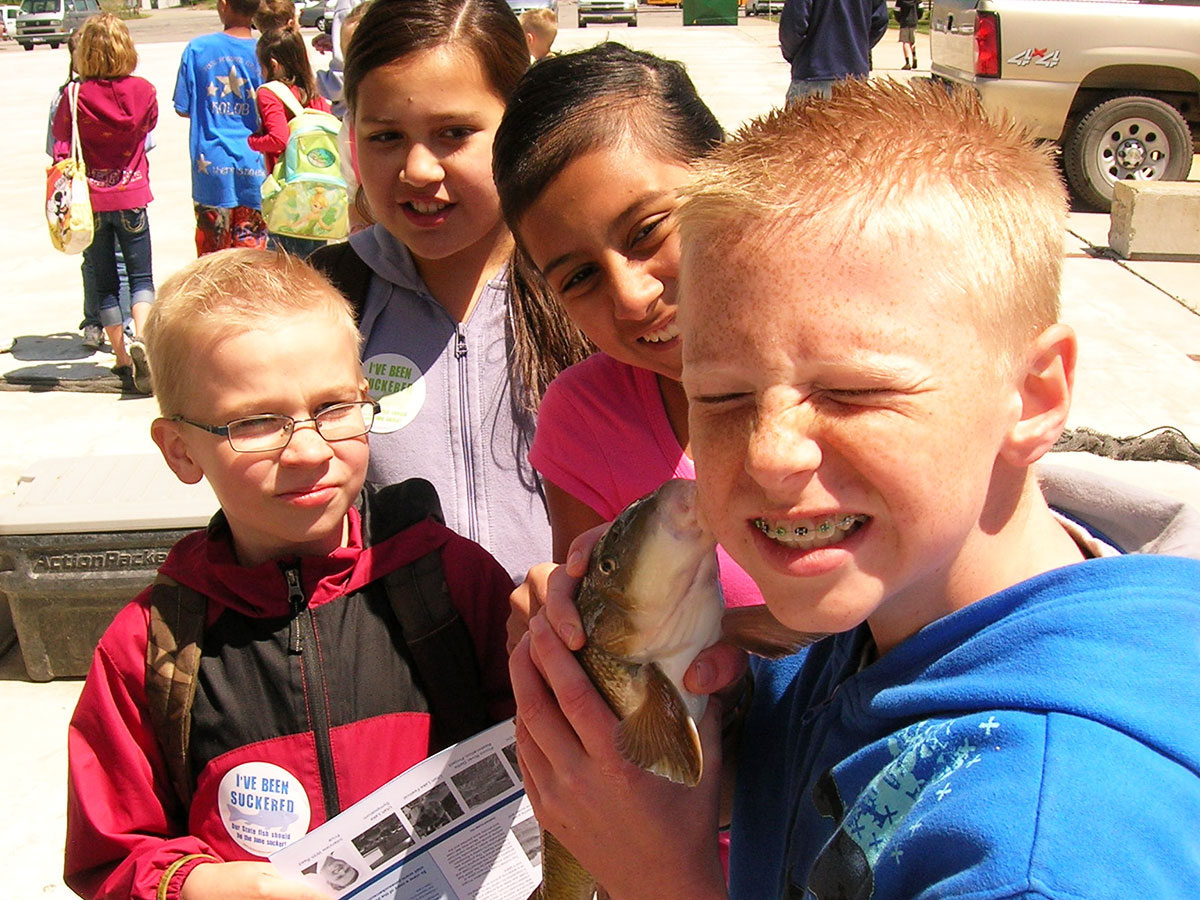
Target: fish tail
(563,878)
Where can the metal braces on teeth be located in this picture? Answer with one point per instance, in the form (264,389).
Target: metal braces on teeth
(824,529)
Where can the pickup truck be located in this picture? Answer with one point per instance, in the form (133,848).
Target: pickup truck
(1115,83)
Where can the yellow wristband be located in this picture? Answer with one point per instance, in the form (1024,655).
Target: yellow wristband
(164,883)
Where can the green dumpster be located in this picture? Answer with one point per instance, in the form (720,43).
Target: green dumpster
(710,12)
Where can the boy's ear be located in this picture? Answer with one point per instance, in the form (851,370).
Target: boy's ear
(1044,388)
(175,450)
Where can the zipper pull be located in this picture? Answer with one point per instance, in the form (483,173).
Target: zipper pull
(298,603)
(460,347)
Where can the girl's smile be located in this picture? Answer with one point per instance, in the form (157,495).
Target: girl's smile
(611,254)
(424,126)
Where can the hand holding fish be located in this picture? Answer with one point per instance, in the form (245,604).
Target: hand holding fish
(638,834)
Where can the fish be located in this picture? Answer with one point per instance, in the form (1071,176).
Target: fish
(649,602)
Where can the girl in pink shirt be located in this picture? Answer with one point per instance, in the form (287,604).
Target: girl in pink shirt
(587,160)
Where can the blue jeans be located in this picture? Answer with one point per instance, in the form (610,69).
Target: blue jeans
(129,229)
(91,301)
(803,87)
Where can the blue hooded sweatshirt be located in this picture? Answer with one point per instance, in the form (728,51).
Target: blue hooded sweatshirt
(1041,742)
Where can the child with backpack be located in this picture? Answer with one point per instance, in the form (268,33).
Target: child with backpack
(312,643)
(218,74)
(426,85)
(301,209)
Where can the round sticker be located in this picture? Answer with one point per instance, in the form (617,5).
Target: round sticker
(399,386)
(263,806)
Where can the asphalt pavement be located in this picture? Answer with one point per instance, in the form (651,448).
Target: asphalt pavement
(1138,324)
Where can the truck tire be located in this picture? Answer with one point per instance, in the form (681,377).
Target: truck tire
(1127,137)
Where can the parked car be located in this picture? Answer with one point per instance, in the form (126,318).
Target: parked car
(51,21)
(763,7)
(317,14)
(608,11)
(520,6)
(8,21)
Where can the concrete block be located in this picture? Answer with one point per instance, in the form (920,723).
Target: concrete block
(1156,220)
(78,539)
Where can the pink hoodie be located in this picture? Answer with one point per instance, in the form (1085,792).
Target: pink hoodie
(114,119)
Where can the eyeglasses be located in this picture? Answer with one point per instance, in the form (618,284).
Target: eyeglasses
(260,434)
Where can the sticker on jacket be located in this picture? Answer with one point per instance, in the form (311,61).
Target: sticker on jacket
(264,807)
(399,386)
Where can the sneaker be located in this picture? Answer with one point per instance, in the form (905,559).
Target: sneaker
(141,366)
(93,337)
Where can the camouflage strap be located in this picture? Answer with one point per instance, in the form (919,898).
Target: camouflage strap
(173,644)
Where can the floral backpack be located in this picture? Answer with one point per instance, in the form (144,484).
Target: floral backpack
(305,196)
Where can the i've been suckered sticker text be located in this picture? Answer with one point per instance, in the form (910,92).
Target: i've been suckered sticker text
(399,386)
(263,807)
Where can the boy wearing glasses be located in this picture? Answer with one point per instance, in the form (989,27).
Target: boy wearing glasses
(309,693)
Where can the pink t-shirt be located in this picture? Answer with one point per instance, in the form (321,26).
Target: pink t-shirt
(603,437)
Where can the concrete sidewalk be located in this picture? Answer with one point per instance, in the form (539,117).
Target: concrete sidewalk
(1139,365)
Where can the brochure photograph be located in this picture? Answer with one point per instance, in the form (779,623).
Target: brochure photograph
(456,826)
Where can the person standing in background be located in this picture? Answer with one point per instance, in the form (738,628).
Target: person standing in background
(829,41)
(284,60)
(907,14)
(218,75)
(115,112)
(329,81)
(541,28)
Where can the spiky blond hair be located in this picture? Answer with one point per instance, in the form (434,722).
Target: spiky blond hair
(925,167)
(226,293)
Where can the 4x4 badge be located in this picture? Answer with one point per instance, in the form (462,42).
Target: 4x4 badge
(1039,56)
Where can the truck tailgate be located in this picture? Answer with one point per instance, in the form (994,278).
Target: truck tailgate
(952,39)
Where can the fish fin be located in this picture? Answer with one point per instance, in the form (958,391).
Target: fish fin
(755,630)
(659,735)
(563,878)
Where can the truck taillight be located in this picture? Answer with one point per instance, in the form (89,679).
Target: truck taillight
(987,45)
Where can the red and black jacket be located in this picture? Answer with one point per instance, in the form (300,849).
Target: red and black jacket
(318,684)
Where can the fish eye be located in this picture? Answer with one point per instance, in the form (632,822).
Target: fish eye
(607,565)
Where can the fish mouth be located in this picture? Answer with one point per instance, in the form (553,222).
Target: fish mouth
(679,511)
(811,534)
(668,332)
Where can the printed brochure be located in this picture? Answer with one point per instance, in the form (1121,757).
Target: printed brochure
(456,826)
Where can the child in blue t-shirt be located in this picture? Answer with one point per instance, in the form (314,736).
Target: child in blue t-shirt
(215,87)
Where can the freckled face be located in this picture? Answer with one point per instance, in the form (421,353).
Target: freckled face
(844,426)
(423,127)
(603,234)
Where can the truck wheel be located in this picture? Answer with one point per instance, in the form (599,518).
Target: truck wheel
(1127,137)
(54,45)
(27,46)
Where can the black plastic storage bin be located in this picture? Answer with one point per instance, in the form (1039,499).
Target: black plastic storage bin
(71,555)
